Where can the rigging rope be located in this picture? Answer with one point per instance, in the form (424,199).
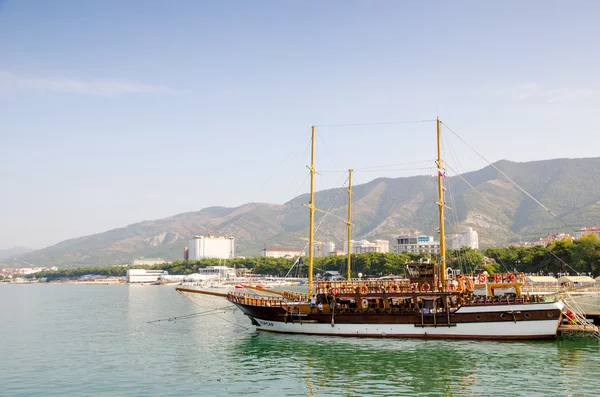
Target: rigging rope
(499,170)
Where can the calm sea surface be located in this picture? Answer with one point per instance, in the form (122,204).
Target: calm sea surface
(96,340)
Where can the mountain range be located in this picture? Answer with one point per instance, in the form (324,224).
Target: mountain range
(382,209)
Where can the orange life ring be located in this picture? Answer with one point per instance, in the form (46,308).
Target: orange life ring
(425,287)
(498,277)
(349,288)
(335,291)
(394,288)
(510,277)
(451,287)
(364,290)
(482,278)
(413,287)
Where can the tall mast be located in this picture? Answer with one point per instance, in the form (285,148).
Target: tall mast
(349,223)
(311,207)
(441,174)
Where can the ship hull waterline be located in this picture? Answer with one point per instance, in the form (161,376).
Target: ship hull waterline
(498,322)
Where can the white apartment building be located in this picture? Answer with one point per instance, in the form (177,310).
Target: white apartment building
(587,230)
(416,245)
(468,238)
(287,253)
(364,246)
(211,247)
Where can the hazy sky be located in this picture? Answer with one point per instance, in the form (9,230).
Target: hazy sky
(114,112)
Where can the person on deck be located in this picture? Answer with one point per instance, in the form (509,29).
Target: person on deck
(320,307)
(313,303)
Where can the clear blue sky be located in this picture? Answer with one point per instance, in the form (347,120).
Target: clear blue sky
(114,112)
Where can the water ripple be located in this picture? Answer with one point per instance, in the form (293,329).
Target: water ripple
(96,341)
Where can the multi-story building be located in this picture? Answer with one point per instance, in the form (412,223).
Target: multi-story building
(587,230)
(468,238)
(287,253)
(364,246)
(416,245)
(211,247)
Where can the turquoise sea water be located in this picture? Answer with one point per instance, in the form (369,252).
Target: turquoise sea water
(95,340)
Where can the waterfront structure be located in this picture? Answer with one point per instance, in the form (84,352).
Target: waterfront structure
(144,275)
(287,253)
(587,230)
(468,238)
(212,272)
(211,247)
(416,245)
(141,261)
(364,246)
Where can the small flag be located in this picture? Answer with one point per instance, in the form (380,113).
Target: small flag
(443,189)
(442,174)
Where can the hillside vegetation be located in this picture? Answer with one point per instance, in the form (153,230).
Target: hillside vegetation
(382,208)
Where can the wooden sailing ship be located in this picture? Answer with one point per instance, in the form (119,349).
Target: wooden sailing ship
(427,304)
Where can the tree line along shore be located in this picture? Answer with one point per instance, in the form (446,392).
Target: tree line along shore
(576,256)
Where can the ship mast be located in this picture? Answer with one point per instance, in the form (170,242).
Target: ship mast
(441,205)
(349,223)
(311,208)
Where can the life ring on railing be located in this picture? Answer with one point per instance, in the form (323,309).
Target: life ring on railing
(498,277)
(481,278)
(425,287)
(335,291)
(394,288)
(349,288)
(451,287)
(413,287)
(364,290)
(510,278)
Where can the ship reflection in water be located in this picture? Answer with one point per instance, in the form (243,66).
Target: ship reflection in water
(393,367)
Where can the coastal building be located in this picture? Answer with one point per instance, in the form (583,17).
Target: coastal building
(287,253)
(543,241)
(141,261)
(144,275)
(329,248)
(468,238)
(211,247)
(416,245)
(364,246)
(587,230)
(212,272)
(336,253)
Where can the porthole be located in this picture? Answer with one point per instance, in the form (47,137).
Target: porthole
(503,316)
(478,317)
(526,315)
(550,314)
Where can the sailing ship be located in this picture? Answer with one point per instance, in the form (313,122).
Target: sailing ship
(428,304)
